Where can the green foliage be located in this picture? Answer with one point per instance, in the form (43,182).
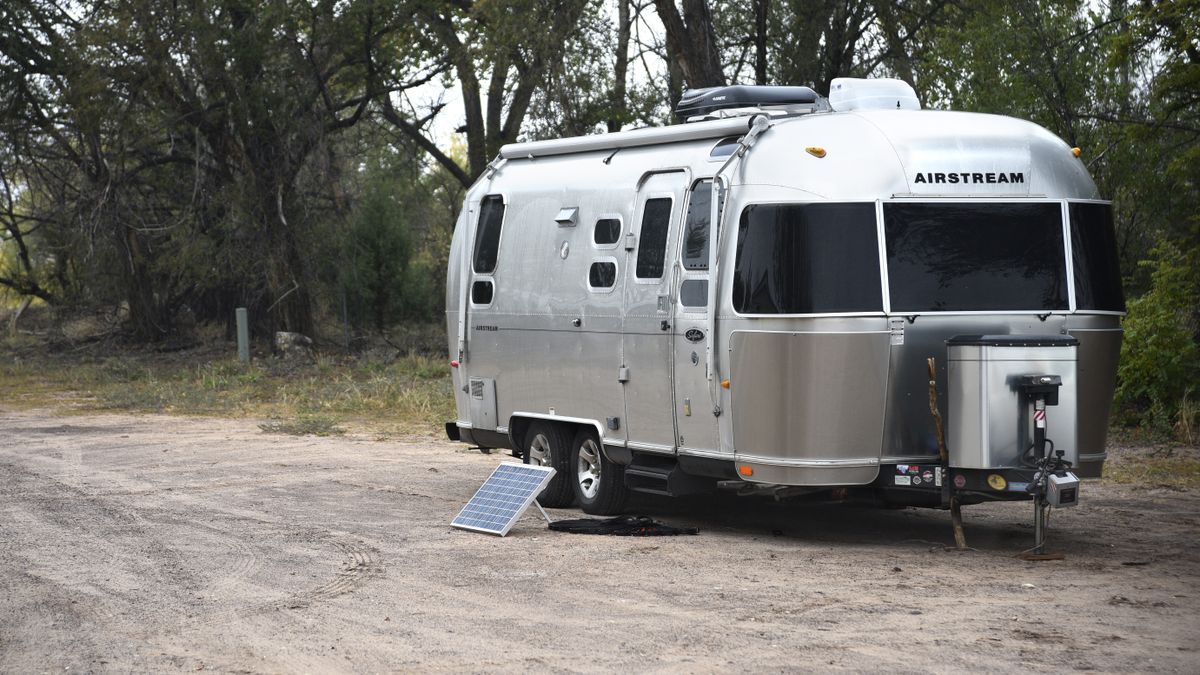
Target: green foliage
(1160,359)
(377,278)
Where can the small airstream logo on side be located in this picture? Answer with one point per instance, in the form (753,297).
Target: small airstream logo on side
(968,178)
(694,335)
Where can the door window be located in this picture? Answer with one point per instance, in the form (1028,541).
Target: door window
(696,228)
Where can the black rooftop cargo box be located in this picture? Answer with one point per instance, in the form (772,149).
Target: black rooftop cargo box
(704,101)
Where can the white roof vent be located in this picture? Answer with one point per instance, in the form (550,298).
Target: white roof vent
(852,93)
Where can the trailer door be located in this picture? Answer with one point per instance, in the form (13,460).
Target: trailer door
(646,332)
(694,420)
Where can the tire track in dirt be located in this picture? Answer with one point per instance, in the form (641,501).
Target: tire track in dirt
(360,563)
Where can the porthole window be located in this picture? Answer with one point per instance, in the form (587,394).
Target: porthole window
(608,231)
(481,292)
(602,275)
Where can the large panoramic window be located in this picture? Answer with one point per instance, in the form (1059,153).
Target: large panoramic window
(1094,250)
(947,257)
(807,258)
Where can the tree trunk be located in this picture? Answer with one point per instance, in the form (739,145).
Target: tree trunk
(692,42)
(290,306)
(16,316)
(897,57)
(617,104)
(760,41)
(147,317)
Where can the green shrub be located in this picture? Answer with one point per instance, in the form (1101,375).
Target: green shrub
(1160,360)
(376,276)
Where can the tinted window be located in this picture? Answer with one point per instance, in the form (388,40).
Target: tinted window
(608,231)
(694,293)
(807,258)
(602,275)
(975,257)
(652,243)
(695,229)
(1094,249)
(487,234)
(724,147)
(481,292)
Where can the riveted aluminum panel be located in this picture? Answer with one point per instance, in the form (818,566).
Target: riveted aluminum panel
(809,404)
(1099,351)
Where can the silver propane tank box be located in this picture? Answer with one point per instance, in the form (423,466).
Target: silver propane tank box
(991,405)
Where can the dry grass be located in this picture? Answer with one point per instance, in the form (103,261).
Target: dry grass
(409,394)
(1164,466)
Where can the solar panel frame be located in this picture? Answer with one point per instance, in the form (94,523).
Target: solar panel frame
(503,498)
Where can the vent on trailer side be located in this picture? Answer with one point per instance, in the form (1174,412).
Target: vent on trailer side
(483,403)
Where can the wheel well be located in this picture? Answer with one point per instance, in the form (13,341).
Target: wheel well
(518,426)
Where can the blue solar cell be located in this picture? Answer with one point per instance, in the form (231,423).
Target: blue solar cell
(503,497)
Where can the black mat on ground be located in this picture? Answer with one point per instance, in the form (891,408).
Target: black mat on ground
(624,526)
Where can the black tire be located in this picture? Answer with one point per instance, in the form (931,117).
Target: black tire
(599,484)
(549,444)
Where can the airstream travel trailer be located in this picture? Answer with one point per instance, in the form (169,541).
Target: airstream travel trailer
(753,295)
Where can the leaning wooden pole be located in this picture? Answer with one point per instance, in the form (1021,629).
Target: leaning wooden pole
(960,538)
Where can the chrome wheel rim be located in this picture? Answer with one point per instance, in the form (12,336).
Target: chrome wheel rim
(539,451)
(588,468)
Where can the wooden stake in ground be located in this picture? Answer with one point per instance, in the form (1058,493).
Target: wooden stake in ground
(960,538)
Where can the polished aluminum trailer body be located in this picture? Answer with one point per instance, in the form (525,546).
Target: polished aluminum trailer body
(634,345)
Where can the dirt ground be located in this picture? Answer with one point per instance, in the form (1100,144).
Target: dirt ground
(153,543)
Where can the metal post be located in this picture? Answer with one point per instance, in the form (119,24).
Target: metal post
(243,334)
(1039,526)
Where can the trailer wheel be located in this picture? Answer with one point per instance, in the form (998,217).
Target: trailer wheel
(548,444)
(598,483)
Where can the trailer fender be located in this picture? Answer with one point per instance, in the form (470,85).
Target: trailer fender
(518,424)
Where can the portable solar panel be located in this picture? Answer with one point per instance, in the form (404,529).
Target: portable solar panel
(503,497)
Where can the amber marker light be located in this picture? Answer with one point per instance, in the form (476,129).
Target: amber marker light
(746,470)
(724,384)
(815,151)
(1076,151)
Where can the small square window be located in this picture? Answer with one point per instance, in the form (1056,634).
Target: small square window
(481,292)
(608,231)
(602,274)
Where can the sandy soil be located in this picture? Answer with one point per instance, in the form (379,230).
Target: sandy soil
(150,543)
